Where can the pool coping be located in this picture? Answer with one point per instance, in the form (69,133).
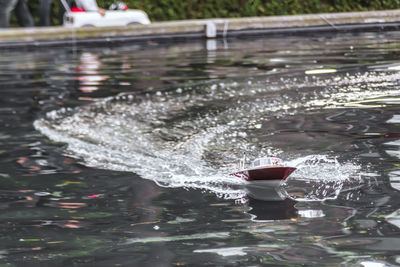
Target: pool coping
(203,28)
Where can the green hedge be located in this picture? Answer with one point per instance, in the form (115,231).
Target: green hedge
(162,10)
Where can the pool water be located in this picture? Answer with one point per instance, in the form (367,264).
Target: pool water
(120,155)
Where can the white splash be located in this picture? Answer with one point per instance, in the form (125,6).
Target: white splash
(193,138)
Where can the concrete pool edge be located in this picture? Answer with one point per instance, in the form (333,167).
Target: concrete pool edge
(205,28)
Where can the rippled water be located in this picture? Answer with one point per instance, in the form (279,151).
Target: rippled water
(122,155)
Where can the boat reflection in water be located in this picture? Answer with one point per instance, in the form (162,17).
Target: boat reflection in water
(261,210)
(269,203)
(284,209)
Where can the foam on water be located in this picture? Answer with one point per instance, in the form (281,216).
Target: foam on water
(324,177)
(193,137)
(164,167)
(322,167)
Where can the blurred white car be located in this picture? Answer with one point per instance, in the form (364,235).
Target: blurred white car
(111,18)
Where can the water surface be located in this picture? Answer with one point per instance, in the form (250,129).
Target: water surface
(121,155)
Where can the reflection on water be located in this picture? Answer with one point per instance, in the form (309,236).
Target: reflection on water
(89,77)
(272,210)
(120,156)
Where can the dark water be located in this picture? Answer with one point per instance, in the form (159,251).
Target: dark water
(119,156)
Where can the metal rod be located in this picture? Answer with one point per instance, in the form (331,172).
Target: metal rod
(66,6)
(327,21)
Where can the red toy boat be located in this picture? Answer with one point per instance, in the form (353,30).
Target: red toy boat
(269,170)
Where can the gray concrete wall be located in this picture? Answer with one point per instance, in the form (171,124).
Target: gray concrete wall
(37,36)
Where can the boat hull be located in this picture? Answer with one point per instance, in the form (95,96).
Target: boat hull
(265,173)
(266,190)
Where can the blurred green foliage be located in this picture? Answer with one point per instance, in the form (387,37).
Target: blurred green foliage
(162,10)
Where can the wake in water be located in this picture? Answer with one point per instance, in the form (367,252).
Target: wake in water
(194,138)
